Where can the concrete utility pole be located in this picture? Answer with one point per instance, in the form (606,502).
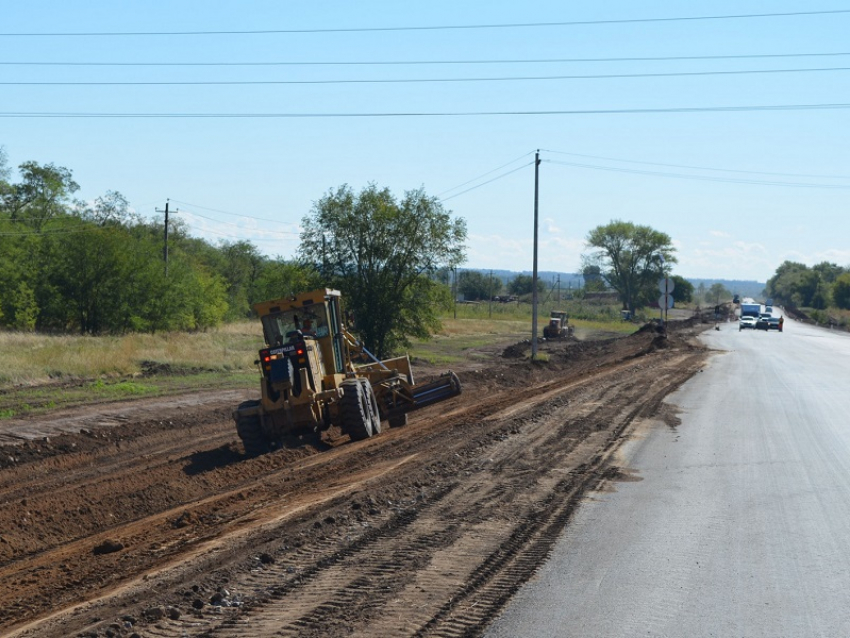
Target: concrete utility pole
(454,289)
(490,291)
(534,270)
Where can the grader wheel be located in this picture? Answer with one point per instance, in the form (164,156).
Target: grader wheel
(355,407)
(250,430)
(374,413)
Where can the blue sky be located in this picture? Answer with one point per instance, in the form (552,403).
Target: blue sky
(727,186)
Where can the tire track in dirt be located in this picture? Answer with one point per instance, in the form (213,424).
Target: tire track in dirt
(393,562)
(473,474)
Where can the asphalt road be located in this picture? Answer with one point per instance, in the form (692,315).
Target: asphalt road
(734,523)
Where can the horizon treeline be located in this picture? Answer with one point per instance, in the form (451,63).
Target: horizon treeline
(97,268)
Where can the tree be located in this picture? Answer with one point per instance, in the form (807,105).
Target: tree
(841,291)
(717,293)
(476,285)
(40,196)
(794,283)
(112,208)
(381,253)
(631,258)
(524,285)
(683,290)
(593,281)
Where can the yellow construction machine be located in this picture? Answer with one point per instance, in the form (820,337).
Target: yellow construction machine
(558,328)
(315,375)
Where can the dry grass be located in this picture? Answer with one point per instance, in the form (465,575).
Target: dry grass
(27,358)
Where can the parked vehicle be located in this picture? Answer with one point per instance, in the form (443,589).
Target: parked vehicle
(747,322)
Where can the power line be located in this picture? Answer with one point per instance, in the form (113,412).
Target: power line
(455,27)
(399,114)
(700,168)
(674,58)
(270,232)
(475,179)
(703,178)
(224,212)
(538,78)
(489,181)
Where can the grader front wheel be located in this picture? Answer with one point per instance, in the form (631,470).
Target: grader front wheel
(355,408)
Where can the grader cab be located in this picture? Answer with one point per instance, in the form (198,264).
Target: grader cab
(310,380)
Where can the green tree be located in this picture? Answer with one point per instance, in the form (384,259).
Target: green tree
(841,291)
(828,271)
(26,308)
(631,258)
(475,285)
(381,252)
(717,294)
(593,281)
(41,195)
(282,278)
(794,283)
(683,290)
(524,285)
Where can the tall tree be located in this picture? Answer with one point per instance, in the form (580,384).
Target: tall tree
(632,258)
(794,283)
(41,195)
(683,290)
(524,285)
(475,285)
(381,252)
(717,294)
(841,291)
(593,281)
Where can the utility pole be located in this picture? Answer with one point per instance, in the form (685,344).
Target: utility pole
(165,235)
(559,288)
(454,289)
(534,270)
(490,294)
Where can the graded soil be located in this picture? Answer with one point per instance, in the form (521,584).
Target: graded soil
(145,518)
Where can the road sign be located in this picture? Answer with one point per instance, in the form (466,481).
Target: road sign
(665,301)
(666,285)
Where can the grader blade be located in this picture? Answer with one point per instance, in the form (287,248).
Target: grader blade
(425,394)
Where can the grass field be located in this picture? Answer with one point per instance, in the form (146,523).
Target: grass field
(43,372)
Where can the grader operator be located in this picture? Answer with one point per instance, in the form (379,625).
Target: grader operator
(310,380)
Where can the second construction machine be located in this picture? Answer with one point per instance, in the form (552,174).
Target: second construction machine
(558,328)
(311,378)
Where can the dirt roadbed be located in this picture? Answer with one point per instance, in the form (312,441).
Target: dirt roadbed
(154,523)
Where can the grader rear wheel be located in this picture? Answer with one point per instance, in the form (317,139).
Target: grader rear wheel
(250,430)
(355,408)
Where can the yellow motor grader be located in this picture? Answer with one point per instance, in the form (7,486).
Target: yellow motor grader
(312,377)
(558,328)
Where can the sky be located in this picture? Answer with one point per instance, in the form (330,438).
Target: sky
(263,107)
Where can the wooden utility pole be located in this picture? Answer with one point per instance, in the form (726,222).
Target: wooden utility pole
(165,237)
(534,270)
